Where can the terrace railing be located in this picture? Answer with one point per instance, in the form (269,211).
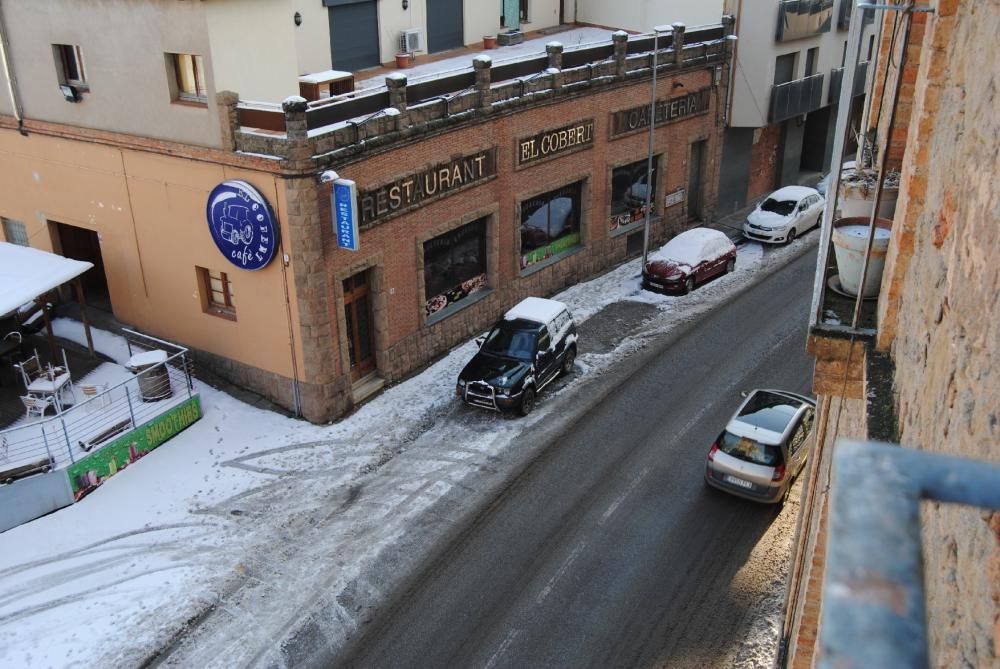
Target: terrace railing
(58,441)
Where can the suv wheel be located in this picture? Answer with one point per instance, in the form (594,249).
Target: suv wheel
(689,284)
(567,366)
(527,401)
(791,236)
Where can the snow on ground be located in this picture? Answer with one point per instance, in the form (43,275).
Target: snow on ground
(236,511)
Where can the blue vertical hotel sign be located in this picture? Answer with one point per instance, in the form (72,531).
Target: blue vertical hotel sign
(345,214)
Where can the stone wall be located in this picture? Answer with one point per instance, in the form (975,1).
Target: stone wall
(941,316)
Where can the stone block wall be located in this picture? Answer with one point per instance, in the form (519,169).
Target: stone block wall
(939,314)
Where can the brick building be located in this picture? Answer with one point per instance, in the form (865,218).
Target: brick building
(919,366)
(209,217)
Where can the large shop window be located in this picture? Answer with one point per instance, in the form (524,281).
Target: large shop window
(454,266)
(550,224)
(628,193)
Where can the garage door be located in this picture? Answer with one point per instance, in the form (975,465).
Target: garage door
(353,34)
(444,25)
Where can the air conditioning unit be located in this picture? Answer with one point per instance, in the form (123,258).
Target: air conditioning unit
(411,40)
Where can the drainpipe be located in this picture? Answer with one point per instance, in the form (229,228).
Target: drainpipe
(9,72)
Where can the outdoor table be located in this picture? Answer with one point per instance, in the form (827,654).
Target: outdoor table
(51,385)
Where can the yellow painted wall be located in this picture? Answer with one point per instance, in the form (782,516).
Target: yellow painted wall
(241,31)
(149,211)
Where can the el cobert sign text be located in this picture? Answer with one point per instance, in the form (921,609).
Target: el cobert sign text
(552,142)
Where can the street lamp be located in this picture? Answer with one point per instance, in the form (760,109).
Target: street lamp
(649,158)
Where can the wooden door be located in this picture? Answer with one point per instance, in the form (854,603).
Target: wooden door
(359,325)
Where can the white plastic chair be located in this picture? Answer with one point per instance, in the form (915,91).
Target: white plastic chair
(35,405)
(95,396)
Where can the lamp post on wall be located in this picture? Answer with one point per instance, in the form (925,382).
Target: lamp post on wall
(649,158)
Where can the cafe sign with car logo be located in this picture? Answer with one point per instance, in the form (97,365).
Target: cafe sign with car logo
(242,224)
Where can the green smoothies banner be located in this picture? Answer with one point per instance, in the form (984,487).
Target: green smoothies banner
(86,474)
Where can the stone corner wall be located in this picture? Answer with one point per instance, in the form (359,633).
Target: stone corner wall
(939,314)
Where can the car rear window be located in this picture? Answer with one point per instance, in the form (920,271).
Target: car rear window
(769,411)
(749,450)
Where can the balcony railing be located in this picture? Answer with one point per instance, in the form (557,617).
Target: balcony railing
(873,611)
(796,97)
(380,114)
(837,76)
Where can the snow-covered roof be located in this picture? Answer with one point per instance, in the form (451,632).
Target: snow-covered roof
(692,246)
(26,273)
(536,309)
(794,193)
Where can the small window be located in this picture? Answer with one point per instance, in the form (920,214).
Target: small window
(15,232)
(812,55)
(843,56)
(216,293)
(784,68)
(189,77)
(69,61)
(871,47)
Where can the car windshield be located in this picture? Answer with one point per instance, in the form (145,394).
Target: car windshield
(510,341)
(749,450)
(782,207)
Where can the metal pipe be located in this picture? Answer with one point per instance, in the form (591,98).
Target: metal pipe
(649,156)
(854,35)
(15,100)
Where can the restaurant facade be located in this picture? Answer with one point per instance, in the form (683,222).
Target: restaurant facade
(466,202)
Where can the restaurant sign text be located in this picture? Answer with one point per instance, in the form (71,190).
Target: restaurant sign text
(553,142)
(388,200)
(671,109)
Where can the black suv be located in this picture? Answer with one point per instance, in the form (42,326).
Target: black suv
(525,350)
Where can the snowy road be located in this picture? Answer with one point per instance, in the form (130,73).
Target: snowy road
(251,539)
(608,551)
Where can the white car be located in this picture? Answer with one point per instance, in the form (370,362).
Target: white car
(784,214)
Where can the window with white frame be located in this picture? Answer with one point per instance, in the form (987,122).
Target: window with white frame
(69,64)
(189,77)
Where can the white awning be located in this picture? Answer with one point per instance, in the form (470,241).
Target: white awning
(26,273)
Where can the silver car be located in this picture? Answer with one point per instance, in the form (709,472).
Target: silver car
(763,447)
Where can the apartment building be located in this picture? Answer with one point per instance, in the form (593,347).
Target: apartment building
(151,139)
(915,367)
(787,70)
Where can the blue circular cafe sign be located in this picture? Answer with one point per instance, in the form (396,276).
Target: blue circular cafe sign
(242,224)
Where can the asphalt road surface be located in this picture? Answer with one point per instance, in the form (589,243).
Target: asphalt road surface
(609,550)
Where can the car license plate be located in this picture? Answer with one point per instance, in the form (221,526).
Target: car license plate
(738,482)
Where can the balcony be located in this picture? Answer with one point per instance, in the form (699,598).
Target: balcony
(796,97)
(837,76)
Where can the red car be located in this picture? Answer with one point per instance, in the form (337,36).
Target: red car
(690,258)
